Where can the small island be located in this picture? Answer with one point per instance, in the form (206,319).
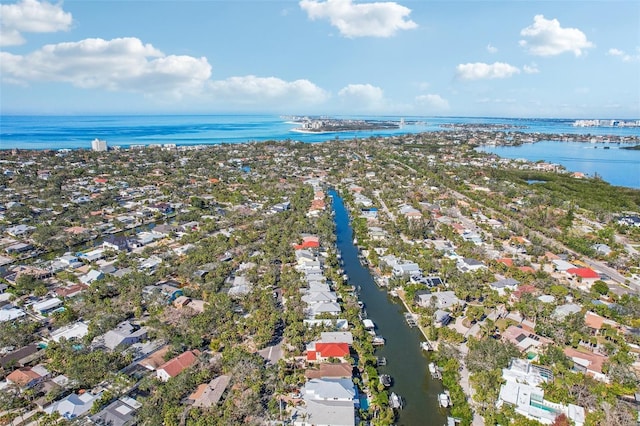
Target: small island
(324,125)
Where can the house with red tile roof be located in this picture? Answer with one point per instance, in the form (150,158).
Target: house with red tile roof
(177,365)
(27,377)
(585,277)
(584,273)
(505,261)
(588,362)
(319,351)
(596,322)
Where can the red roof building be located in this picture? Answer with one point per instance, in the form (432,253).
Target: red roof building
(584,273)
(505,261)
(177,365)
(319,351)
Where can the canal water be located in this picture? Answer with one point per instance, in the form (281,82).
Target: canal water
(407,364)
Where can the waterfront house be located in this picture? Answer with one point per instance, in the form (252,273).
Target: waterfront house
(522,389)
(320,351)
(341,370)
(327,402)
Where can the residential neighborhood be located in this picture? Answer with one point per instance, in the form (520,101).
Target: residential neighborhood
(205,285)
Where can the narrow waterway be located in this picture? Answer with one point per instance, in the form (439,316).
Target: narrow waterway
(406,362)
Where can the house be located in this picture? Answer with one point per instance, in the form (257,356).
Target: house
(91,276)
(125,334)
(46,306)
(319,351)
(562,311)
(327,402)
(76,330)
(117,243)
(405,269)
(155,360)
(21,357)
(341,370)
(525,341)
(177,365)
(588,363)
(73,405)
(560,265)
(602,249)
(10,313)
(441,300)
(121,412)
(28,377)
(501,286)
(585,276)
(522,390)
(209,394)
(441,317)
(19,230)
(336,337)
(467,264)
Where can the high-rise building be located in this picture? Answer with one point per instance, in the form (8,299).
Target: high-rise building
(98,145)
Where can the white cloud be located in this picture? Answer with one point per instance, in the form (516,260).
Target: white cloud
(30,16)
(432,101)
(380,19)
(258,90)
(530,69)
(362,93)
(623,55)
(119,64)
(491,49)
(482,71)
(547,38)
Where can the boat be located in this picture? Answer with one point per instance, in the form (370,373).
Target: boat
(385,380)
(435,372)
(425,346)
(395,400)
(444,400)
(378,341)
(411,320)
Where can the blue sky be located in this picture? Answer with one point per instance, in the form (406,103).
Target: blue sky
(556,59)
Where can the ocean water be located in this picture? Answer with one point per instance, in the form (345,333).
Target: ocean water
(619,167)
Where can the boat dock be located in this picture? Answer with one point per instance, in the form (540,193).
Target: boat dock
(381,361)
(411,319)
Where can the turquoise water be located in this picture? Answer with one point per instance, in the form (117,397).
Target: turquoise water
(56,132)
(620,167)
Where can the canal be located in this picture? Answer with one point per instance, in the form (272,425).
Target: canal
(407,364)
